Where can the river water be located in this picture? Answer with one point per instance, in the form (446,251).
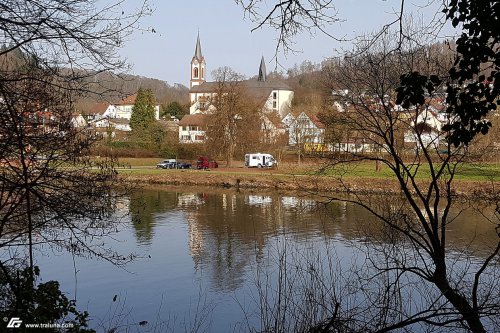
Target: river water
(202,256)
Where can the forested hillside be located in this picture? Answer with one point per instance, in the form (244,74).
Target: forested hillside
(112,88)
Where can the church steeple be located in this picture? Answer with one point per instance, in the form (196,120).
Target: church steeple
(262,70)
(197,66)
(197,51)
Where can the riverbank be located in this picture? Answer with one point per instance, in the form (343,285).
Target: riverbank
(273,179)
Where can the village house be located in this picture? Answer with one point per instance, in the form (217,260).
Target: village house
(272,129)
(425,126)
(192,128)
(306,130)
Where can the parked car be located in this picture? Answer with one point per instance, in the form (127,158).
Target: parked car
(205,162)
(183,165)
(167,164)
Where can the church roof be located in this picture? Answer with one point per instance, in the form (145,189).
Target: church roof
(251,85)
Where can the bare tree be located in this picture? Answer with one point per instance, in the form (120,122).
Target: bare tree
(48,46)
(51,190)
(78,35)
(235,117)
(380,73)
(420,220)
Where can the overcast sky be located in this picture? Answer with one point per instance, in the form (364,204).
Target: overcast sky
(227,40)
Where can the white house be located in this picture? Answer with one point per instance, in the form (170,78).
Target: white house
(116,116)
(276,96)
(192,128)
(78,121)
(101,111)
(123,109)
(425,125)
(305,130)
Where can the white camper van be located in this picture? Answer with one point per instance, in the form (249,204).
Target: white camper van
(260,161)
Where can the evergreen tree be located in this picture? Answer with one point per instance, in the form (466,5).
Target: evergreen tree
(143,112)
(173,109)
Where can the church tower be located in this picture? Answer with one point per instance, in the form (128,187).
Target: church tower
(197,66)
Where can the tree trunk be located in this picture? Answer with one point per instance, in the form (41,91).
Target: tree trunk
(469,314)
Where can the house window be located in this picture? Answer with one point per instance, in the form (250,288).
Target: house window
(185,138)
(195,72)
(275,95)
(275,105)
(202,73)
(199,137)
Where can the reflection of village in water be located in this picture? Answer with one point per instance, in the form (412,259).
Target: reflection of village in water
(227,231)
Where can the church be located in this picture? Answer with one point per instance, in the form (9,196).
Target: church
(277,96)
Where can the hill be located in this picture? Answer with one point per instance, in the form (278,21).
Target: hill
(108,87)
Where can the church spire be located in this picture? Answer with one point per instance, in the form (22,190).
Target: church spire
(197,51)
(262,70)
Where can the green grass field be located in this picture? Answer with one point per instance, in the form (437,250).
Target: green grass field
(466,171)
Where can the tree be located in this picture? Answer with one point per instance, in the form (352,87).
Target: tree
(235,118)
(146,129)
(173,109)
(49,184)
(380,79)
(143,111)
(83,36)
(474,86)
(420,220)
(291,17)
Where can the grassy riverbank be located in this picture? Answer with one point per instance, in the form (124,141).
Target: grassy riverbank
(470,178)
(466,171)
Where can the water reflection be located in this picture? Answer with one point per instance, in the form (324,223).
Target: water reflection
(229,230)
(143,205)
(192,239)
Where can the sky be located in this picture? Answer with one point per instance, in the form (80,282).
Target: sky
(227,40)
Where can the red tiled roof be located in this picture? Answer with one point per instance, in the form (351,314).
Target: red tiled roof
(193,119)
(99,108)
(316,121)
(130,100)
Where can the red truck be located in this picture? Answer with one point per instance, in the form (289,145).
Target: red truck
(205,162)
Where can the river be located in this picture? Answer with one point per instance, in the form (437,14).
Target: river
(203,255)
